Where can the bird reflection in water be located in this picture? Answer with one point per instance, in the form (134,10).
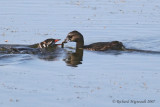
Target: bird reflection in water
(74,58)
(51,54)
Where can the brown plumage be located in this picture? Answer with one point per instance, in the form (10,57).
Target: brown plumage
(77,37)
(101,46)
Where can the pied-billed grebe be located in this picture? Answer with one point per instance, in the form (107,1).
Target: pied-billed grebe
(77,37)
(25,49)
(46,43)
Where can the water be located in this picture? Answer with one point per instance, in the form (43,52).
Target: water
(102,77)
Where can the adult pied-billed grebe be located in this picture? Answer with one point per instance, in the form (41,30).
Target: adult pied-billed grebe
(77,37)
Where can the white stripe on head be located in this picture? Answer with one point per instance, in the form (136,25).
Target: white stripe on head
(50,43)
(39,45)
(44,45)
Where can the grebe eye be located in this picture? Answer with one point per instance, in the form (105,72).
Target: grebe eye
(70,36)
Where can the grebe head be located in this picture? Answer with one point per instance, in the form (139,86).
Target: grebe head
(74,36)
